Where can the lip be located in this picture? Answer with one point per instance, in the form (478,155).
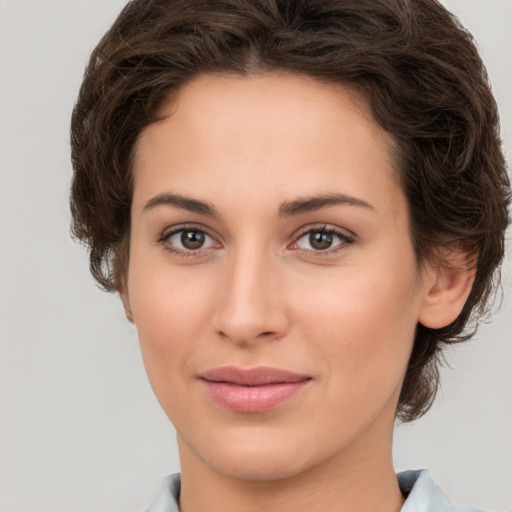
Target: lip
(252,390)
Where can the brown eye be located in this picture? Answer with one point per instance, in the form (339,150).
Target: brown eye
(188,240)
(320,240)
(326,239)
(192,240)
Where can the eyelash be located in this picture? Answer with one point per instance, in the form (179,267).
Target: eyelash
(345,240)
(179,229)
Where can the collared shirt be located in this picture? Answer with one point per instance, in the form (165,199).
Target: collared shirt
(423,494)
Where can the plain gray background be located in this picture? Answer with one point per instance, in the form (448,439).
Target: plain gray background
(80,428)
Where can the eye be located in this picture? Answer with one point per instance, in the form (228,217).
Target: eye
(322,239)
(189,240)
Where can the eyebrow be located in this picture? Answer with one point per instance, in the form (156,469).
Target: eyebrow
(286,209)
(182,202)
(309,204)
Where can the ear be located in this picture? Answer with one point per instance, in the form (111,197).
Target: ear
(125,298)
(120,267)
(448,284)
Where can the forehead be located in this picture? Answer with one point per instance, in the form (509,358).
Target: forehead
(282,99)
(270,132)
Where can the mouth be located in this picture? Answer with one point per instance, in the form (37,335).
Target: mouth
(252,390)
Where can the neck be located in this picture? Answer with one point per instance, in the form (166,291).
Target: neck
(361,478)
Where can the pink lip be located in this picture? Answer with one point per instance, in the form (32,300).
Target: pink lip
(252,390)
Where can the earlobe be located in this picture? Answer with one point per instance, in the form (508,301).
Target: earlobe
(123,294)
(128,313)
(447,287)
(121,262)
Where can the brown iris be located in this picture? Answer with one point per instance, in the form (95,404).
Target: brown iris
(320,240)
(192,239)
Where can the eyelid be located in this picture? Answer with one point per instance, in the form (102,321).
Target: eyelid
(347,238)
(173,230)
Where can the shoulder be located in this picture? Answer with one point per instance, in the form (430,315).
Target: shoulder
(424,495)
(167,496)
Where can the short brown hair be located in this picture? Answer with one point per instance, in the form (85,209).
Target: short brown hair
(414,63)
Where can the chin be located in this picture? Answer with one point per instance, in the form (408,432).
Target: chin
(261,467)
(256,455)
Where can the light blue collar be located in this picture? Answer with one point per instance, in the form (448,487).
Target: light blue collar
(423,494)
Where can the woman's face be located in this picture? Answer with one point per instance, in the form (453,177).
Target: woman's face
(272,278)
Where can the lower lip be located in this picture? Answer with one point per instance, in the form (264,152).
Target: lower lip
(253,399)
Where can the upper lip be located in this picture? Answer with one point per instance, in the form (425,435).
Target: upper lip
(258,376)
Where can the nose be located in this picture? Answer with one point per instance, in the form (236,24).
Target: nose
(250,304)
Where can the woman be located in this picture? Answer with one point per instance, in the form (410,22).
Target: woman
(299,203)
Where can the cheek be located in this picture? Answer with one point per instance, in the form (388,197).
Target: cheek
(170,312)
(363,323)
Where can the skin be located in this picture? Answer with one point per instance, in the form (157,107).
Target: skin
(257,293)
